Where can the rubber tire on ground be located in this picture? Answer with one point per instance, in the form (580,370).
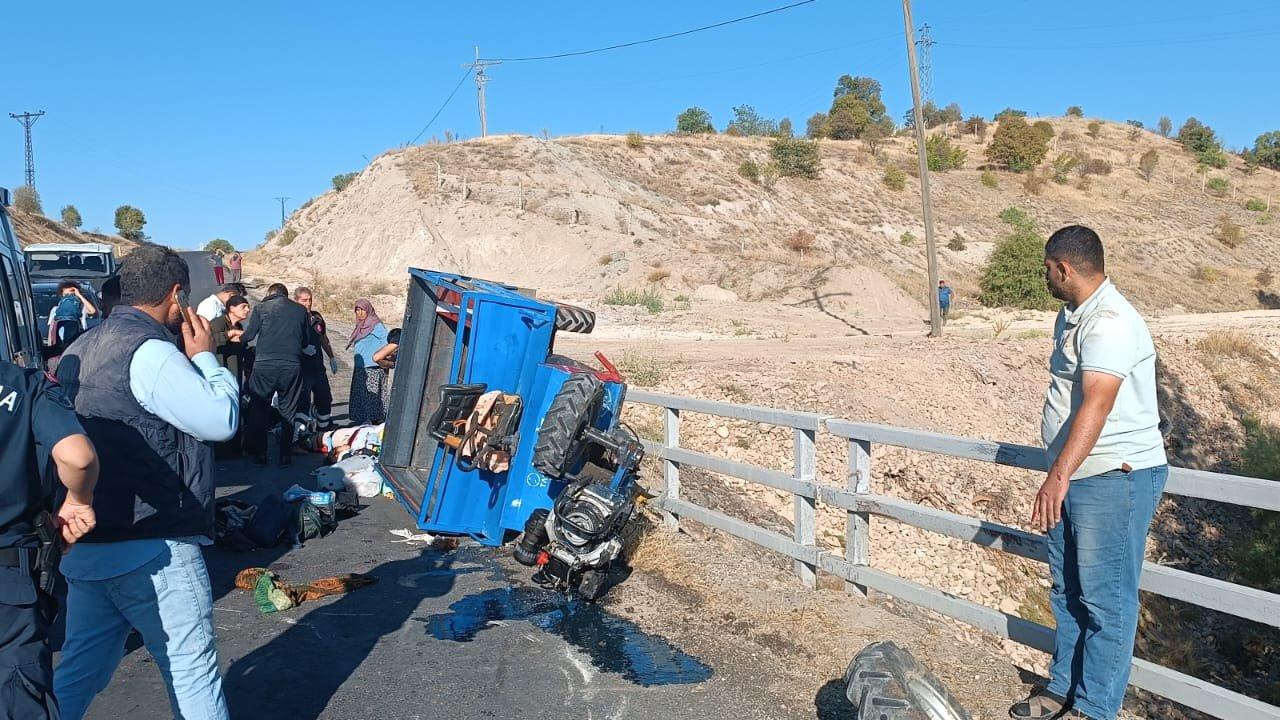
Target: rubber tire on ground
(559,447)
(571,318)
(592,585)
(885,682)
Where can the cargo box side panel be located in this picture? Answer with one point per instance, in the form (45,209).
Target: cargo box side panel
(502,345)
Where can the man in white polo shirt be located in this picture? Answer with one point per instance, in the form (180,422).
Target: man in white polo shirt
(1107,470)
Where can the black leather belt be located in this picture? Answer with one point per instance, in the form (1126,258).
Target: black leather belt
(18,557)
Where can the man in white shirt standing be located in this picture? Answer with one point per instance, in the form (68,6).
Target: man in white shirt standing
(152,409)
(216,304)
(1107,470)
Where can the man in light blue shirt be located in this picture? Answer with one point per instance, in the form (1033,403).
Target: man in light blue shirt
(1107,470)
(152,408)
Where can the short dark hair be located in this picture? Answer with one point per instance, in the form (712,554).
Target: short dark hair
(1079,246)
(233,288)
(277,289)
(235,300)
(111,289)
(67,285)
(149,274)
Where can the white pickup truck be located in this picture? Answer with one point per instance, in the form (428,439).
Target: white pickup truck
(89,265)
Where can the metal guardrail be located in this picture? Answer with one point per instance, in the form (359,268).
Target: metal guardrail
(857,499)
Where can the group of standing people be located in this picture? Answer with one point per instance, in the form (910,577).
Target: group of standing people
(281,354)
(228,271)
(127,428)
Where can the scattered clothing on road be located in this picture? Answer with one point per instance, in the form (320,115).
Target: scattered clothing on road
(272,594)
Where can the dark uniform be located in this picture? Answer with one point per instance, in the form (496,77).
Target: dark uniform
(317,397)
(35,415)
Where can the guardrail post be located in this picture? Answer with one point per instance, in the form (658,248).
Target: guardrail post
(857,529)
(806,509)
(670,468)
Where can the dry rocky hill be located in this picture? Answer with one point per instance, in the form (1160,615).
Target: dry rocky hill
(34,229)
(579,216)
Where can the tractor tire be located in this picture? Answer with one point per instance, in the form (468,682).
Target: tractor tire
(885,682)
(571,318)
(559,448)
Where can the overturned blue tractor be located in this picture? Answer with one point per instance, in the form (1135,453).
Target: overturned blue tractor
(491,435)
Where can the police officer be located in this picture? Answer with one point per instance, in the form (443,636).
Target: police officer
(36,424)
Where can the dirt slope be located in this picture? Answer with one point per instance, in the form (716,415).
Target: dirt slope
(578,216)
(37,229)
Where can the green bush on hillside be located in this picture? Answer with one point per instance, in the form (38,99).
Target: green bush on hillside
(340,182)
(795,157)
(1014,273)
(1258,558)
(894,178)
(943,155)
(1017,146)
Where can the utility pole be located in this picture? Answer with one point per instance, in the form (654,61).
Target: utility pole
(926,62)
(481,80)
(28,119)
(931,251)
(282,216)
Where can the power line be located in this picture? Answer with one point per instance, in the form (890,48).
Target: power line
(578,53)
(1152,42)
(443,105)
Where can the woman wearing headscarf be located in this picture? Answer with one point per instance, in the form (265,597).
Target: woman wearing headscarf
(370,383)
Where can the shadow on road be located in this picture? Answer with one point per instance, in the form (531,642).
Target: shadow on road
(298,672)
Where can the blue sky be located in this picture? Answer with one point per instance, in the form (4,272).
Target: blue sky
(202,113)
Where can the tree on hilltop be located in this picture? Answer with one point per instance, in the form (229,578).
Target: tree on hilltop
(219,244)
(71,217)
(1266,150)
(694,121)
(129,222)
(27,199)
(855,108)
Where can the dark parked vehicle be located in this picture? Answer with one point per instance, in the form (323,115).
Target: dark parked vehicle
(20,343)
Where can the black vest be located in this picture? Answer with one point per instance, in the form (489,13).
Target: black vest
(156,481)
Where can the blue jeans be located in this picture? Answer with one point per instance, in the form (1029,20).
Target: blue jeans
(170,603)
(1095,558)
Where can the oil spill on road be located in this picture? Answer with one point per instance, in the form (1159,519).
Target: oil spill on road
(614,645)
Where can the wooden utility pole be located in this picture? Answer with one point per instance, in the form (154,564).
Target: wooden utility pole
(931,250)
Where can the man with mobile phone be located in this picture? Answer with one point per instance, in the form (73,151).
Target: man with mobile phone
(151,408)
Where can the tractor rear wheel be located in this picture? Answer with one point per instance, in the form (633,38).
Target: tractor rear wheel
(559,447)
(886,682)
(571,318)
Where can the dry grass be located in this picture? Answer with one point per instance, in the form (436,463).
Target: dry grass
(658,275)
(1233,344)
(642,369)
(800,240)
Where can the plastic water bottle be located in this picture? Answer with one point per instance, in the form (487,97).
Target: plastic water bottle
(319,499)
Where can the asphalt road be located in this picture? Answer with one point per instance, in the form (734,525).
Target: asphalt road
(461,635)
(202,281)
